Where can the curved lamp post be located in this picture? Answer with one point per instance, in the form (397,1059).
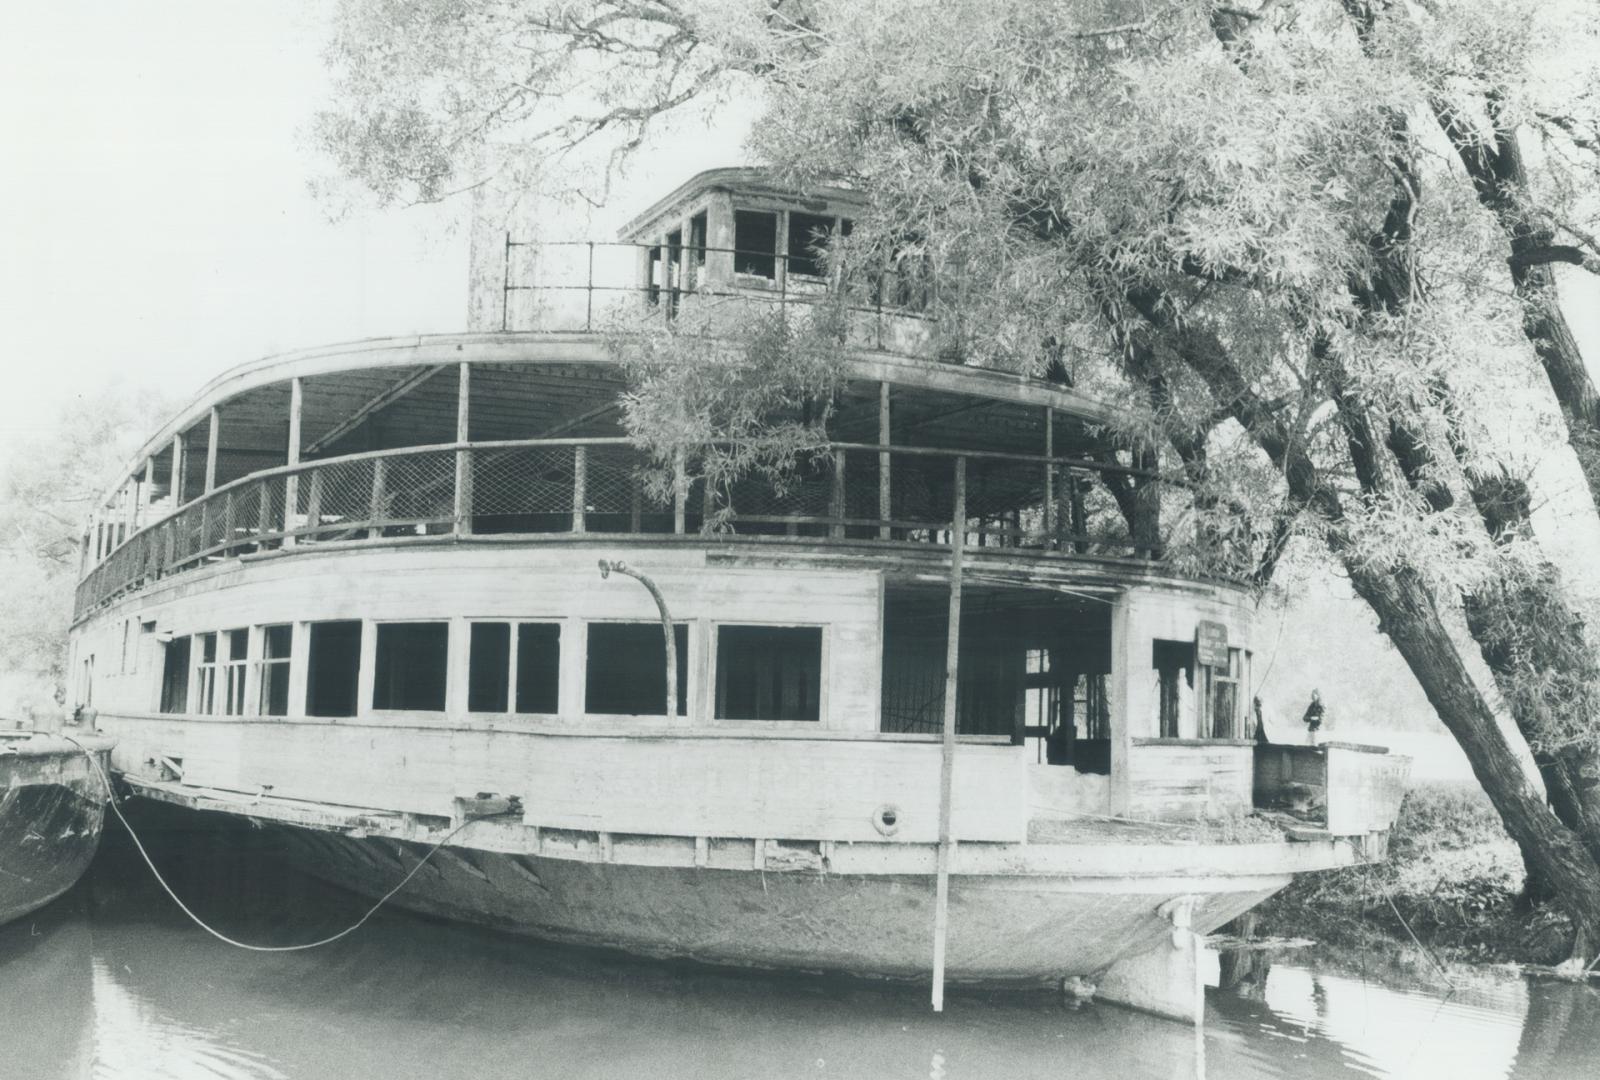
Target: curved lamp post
(607,567)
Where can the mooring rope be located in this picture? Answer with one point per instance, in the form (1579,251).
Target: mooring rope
(1442,973)
(111,797)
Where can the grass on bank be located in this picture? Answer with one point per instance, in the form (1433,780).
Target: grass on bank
(1454,875)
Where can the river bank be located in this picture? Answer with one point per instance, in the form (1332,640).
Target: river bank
(1453,876)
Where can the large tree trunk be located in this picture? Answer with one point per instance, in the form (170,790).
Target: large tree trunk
(1406,612)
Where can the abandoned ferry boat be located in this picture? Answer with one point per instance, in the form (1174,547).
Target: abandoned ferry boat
(353,592)
(52,807)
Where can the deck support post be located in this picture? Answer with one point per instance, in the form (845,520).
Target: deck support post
(885,501)
(947,759)
(1049,479)
(291,482)
(212,435)
(176,480)
(580,488)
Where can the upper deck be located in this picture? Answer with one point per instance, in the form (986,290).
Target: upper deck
(517,432)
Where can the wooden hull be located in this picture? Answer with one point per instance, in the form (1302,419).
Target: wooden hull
(52,807)
(1004,929)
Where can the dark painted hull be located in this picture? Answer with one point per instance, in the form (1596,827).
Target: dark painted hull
(52,808)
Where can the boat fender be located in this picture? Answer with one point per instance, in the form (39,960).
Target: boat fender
(886,819)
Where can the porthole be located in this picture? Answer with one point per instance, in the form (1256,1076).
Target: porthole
(886,819)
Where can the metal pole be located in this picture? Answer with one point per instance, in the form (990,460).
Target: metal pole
(505,288)
(947,761)
(588,313)
(606,567)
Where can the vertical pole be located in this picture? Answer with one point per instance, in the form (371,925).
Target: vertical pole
(1049,479)
(885,503)
(146,516)
(291,481)
(588,313)
(837,510)
(264,513)
(780,244)
(175,480)
(680,492)
(505,288)
(375,503)
(463,501)
(947,760)
(580,487)
(211,449)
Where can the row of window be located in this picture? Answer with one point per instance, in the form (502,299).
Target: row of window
(763,672)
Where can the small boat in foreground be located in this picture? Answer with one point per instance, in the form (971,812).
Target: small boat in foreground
(52,806)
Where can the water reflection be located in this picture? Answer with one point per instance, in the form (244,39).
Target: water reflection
(113,983)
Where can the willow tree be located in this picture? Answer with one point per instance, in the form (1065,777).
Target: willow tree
(1302,239)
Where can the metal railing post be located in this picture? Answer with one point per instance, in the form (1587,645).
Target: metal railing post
(375,502)
(680,492)
(580,485)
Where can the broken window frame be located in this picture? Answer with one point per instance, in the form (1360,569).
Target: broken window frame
(719,705)
(172,698)
(205,674)
(803,252)
(1229,681)
(750,260)
(270,667)
(1169,693)
(235,665)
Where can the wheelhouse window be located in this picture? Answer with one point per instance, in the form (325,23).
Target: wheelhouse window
(273,670)
(755,242)
(175,675)
(539,667)
(412,662)
(626,669)
(333,668)
(1174,666)
(769,672)
(809,235)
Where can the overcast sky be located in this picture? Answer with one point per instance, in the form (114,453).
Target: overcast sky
(156,219)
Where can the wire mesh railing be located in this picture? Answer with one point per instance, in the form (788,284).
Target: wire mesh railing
(847,492)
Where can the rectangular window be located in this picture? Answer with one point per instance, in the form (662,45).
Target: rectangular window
(769,672)
(333,666)
(697,245)
(412,662)
(539,667)
(206,675)
(175,676)
(626,669)
(274,670)
(809,235)
(238,652)
(489,668)
(755,242)
(1225,717)
(1174,666)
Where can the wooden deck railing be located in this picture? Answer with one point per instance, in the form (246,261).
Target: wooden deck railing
(851,492)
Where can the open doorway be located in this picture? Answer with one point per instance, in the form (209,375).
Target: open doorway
(1034,666)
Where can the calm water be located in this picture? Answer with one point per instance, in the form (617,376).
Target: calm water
(113,982)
